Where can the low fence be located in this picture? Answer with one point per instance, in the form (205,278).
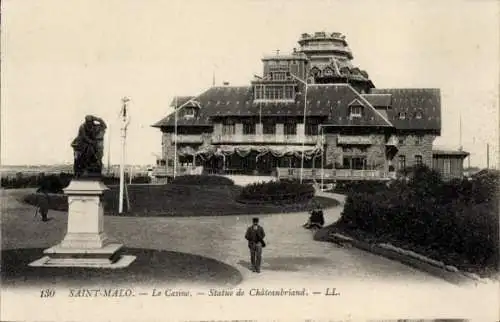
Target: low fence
(160,172)
(282,173)
(331,174)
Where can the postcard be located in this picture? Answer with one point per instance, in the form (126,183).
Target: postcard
(250,160)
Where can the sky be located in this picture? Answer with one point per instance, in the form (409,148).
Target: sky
(62,60)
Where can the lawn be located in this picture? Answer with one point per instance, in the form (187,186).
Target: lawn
(186,200)
(154,267)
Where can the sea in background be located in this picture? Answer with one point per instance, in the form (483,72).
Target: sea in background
(27,170)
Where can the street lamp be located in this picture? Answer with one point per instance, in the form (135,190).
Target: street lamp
(304,122)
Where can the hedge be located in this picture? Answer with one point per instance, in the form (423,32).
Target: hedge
(346,187)
(457,217)
(55,183)
(202,180)
(276,191)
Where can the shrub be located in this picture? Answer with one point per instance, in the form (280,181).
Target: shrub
(456,217)
(56,201)
(54,183)
(347,187)
(203,180)
(277,191)
(21,180)
(141,179)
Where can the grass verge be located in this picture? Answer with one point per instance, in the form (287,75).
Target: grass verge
(176,200)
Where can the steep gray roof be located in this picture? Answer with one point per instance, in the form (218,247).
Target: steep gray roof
(331,101)
(414,102)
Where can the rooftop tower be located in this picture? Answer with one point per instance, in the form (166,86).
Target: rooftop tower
(330,61)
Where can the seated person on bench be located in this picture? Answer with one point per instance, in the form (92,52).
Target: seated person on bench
(316,218)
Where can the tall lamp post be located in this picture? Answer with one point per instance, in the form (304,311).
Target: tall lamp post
(304,122)
(125,118)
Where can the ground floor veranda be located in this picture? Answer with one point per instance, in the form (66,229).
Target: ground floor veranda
(274,160)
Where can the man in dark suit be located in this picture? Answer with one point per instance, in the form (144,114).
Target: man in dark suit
(43,201)
(255,236)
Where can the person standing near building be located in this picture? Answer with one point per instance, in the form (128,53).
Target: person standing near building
(255,236)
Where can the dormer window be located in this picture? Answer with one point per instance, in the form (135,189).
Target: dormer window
(356,111)
(418,115)
(402,115)
(189,112)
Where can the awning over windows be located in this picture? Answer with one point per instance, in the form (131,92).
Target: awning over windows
(245,150)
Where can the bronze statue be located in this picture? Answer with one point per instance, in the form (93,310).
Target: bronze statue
(88,147)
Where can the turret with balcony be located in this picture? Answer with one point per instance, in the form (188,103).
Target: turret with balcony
(325,44)
(330,61)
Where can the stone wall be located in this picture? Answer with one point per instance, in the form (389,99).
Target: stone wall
(333,153)
(409,147)
(167,146)
(375,153)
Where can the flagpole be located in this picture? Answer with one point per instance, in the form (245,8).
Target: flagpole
(125,122)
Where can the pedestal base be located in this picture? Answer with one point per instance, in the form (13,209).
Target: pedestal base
(106,257)
(84,241)
(85,244)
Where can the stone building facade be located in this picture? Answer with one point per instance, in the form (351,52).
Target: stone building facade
(311,108)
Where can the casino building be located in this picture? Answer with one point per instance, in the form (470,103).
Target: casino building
(312,109)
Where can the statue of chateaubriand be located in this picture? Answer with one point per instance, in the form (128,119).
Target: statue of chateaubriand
(88,147)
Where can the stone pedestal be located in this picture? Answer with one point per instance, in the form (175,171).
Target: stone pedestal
(86,243)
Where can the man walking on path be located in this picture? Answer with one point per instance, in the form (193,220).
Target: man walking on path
(255,236)
(43,201)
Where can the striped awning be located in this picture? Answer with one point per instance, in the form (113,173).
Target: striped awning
(245,150)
